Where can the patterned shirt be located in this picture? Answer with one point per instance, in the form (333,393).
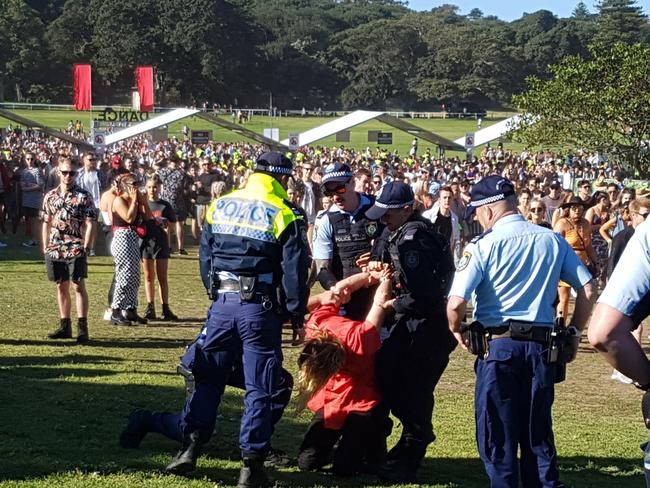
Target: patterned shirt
(67,215)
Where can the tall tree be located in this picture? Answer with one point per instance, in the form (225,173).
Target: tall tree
(619,21)
(581,11)
(601,103)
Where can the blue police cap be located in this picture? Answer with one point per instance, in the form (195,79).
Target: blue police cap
(336,172)
(491,189)
(434,189)
(395,194)
(275,163)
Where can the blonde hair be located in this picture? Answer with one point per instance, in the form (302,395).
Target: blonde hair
(320,359)
(639,203)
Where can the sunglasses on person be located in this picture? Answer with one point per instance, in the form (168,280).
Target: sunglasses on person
(537,210)
(644,215)
(575,207)
(68,173)
(337,190)
(376,182)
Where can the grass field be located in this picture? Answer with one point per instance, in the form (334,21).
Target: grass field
(449,128)
(63,406)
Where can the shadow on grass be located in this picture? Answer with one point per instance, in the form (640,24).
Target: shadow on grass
(144,343)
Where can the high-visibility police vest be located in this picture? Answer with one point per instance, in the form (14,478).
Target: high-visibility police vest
(248,225)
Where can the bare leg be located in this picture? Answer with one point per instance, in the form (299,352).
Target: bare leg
(163,285)
(81,296)
(179,235)
(63,298)
(149,279)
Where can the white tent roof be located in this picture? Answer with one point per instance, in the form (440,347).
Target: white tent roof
(147,125)
(493,132)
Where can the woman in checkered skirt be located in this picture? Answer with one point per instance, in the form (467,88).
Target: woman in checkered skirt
(125,248)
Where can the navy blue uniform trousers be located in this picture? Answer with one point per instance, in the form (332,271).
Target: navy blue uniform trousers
(513,400)
(238,332)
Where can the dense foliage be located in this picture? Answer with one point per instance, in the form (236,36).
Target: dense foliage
(312,53)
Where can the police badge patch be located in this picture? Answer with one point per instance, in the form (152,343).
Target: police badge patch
(371,229)
(464,261)
(330,167)
(412,259)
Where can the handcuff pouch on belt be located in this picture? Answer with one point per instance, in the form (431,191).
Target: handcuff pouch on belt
(476,338)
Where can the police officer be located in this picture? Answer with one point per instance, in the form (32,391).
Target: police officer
(513,270)
(343,234)
(622,306)
(416,352)
(254,261)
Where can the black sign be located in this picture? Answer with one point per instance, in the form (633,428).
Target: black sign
(384,138)
(110,115)
(201,136)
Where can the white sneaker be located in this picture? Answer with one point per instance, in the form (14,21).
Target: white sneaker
(92,253)
(618,376)
(2,244)
(107,314)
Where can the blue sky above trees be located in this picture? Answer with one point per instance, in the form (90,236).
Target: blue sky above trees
(509,10)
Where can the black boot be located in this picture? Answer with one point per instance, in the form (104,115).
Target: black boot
(185,459)
(118,319)
(253,475)
(132,315)
(136,428)
(82,328)
(150,312)
(63,332)
(168,314)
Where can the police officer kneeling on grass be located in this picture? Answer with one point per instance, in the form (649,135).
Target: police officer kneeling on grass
(254,261)
(513,270)
(414,356)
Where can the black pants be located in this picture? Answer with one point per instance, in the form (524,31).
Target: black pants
(409,366)
(362,439)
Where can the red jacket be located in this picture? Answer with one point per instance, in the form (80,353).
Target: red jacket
(354,387)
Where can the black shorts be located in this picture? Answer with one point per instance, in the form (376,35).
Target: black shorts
(155,246)
(73,269)
(30,212)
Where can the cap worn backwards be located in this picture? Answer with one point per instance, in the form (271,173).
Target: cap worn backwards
(274,163)
(491,189)
(395,194)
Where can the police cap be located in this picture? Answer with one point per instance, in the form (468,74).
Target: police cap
(395,194)
(336,172)
(274,163)
(491,189)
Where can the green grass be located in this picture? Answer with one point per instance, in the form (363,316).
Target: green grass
(449,128)
(63,405)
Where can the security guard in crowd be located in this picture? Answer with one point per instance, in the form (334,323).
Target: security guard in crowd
(622,306)
(254,260)
(414,356)
(513,270)
(343,234)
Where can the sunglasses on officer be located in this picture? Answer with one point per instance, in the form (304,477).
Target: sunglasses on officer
(335,190)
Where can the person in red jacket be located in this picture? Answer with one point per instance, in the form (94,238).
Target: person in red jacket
(337,378)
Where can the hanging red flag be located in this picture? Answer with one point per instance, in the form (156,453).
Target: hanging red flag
(144,82)
(82,87)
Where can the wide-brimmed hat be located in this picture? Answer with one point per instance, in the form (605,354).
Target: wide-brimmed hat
(573,201)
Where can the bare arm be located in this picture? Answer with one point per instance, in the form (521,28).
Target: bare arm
(456,308)
(45,234)
(91,227)
(609,333)
(126,211)
(605,228)
(378,311)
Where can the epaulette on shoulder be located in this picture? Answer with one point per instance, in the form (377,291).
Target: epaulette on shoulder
(480,236)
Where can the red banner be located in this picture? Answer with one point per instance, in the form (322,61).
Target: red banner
(82,87)
(144,82)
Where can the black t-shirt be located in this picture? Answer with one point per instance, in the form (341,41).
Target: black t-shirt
(443,225)
(203,195)
(162,212)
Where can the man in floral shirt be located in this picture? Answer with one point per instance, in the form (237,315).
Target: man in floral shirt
(69,216)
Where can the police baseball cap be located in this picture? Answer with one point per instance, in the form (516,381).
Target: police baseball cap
(395,194)
(491,189)
(337,172)
(434,189)
(275,163)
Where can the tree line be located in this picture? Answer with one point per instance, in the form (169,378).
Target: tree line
(301,53)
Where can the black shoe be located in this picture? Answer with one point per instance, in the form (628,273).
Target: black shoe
(136,429)
(185,459)
(118,319)
(63,332)
(183,252)
(396,472)
(132,315)
(82,328)
(253,475)
(168,314)
(276,458)
(150,312)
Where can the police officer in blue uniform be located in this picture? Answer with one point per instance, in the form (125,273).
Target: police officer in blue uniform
(512,272)
(416,353)
(622,306)
(254,261)
(344,233)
